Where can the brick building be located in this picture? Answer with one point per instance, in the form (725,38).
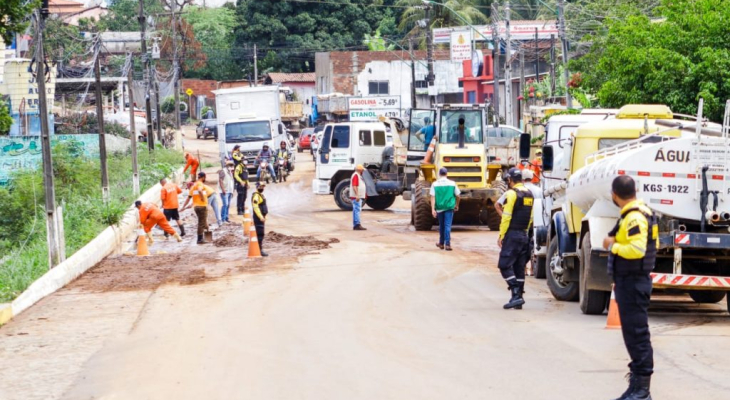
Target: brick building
(200,87)
(371,73)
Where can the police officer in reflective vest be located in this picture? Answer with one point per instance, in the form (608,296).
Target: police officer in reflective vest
(260,210)
(516,220)
(632,246)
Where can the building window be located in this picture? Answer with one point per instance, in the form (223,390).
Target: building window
(378,88)
(421,84)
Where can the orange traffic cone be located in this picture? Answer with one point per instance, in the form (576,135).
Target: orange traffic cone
(247,221)
(429,154)
(142,249)
(254,251)
(614,320)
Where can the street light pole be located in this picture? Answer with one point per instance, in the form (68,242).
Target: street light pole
(147,73)
(508,70)
(430,78)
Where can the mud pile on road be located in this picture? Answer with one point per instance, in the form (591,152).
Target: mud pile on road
(139,273)
(299,242)
(228,236)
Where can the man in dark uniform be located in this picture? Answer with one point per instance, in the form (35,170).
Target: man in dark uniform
(258,201)
(240,177)
(516,220)
(632,248)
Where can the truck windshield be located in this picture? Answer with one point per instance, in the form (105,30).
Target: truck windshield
(254,131)
(450,126)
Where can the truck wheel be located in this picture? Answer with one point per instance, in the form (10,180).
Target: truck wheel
(342,195)
(422,218)
(592,302)
(706,297)
(380,202)
(540,265)
(563,291)
(299,149)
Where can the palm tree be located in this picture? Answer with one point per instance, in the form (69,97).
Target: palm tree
(441,16)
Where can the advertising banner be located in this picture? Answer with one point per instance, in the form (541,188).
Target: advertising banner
(460,46)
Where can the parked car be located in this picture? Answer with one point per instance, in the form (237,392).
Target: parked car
(305,140)
(207,128)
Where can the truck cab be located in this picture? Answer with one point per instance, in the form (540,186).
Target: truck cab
(346,145)
(251,134)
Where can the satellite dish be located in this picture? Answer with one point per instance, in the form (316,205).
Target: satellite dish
(477,59)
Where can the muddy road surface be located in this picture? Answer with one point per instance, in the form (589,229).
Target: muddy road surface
(337,314)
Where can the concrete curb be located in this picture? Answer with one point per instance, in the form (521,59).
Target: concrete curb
(109,241)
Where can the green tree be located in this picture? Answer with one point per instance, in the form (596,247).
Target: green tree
(6,121)
(295,31)
(63,42)
(674,60)
(122,16)
(376,42)
(441,16)
(213,28)
(15,15)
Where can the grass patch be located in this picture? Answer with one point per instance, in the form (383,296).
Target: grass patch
(78,190)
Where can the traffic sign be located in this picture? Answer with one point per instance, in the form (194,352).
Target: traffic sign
(189,92)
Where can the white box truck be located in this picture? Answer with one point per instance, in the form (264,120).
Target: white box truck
(249,117)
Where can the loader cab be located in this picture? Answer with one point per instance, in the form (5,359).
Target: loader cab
(421,130)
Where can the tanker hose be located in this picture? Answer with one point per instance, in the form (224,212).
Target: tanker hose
(703,198)
(715,195)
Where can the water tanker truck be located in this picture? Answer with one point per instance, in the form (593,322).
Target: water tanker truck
(682,172)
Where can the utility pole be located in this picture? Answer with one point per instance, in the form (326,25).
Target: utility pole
(255,66)
(430,78)
(552,65)
(537,57)
(54,251)
(495,57)
(508,112)
(413,73)
(100,122)
(133,129)
(147,73)
(564,41)
(175,67)
(522,83)
(157,111)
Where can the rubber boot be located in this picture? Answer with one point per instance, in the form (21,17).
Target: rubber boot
(149,238)
(522,293)
(632,385)
(200,239)
(641,388)
(182,230)
(516,299)
(179,239)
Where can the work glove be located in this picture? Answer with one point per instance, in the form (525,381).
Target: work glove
(149,238)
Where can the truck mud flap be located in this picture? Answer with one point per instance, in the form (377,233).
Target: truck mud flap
(598,278)
(566,240)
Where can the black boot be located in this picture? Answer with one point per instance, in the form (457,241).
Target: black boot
(200,239)
(516,299)
(632,385)
(641,388)
(182,230)
(521,285)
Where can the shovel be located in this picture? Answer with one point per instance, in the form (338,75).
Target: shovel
(208,236)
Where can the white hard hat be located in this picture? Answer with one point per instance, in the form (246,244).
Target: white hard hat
(527,174)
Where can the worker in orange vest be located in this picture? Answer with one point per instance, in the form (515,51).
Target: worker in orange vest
(170,204)
(193,164)
(535,166)
(149,216)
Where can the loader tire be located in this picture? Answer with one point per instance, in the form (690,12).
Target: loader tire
(422,218)
(493,219)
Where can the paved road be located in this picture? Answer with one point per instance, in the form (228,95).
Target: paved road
(380,315)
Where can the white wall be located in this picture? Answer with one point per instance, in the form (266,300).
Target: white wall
(398,74)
